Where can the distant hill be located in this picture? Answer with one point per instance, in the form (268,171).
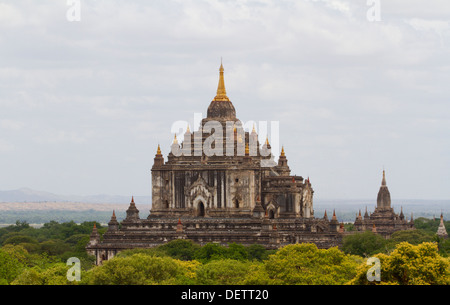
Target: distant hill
(29,195)
(346,210)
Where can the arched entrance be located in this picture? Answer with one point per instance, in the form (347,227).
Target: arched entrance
(200,209)
(271,214)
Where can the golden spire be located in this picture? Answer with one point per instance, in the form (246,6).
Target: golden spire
(253,130)
(282,151)
(267,140)
(158,151)
(188,129)
(175,141)
(221,92)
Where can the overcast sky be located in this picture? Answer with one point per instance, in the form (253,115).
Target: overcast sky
(84,104)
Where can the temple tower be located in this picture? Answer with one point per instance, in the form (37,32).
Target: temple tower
(384,197)
(442,232)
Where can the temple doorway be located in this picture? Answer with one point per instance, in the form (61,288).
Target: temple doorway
(200,209)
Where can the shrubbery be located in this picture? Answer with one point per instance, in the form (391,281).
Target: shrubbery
(31,256)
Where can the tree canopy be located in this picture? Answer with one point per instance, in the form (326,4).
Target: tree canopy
(37,256)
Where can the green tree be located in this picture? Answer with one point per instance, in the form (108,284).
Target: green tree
(182,249)
(223,272)
(54,247)
(10,266)
(257,252)
(409,265)
(429,225)
(16,251)
(210,251)
(55,274)
(413,237)
(19,239)
(236,252)
(305,264)
(29,276)
(145,251)
(363,244)
(139,269)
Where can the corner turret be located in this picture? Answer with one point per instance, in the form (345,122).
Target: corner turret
(132,212)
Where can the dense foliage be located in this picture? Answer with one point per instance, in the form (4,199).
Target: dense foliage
(37,256)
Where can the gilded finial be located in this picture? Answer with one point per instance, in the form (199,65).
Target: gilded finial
(188,130)
(267,140)
(282,151)
(253,130)
(221,92)
(158,151)
(175,141)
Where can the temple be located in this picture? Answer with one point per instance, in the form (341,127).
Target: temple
(383,220)
(221,185)
(442,232)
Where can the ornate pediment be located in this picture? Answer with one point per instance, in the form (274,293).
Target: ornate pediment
(200,188)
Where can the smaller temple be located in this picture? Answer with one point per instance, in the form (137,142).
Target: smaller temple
(442,232)
(383,220)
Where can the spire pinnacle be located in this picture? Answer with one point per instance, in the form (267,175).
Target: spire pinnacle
(383,182)
(175,141)
(158,151)
(282,151)
(221,92)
